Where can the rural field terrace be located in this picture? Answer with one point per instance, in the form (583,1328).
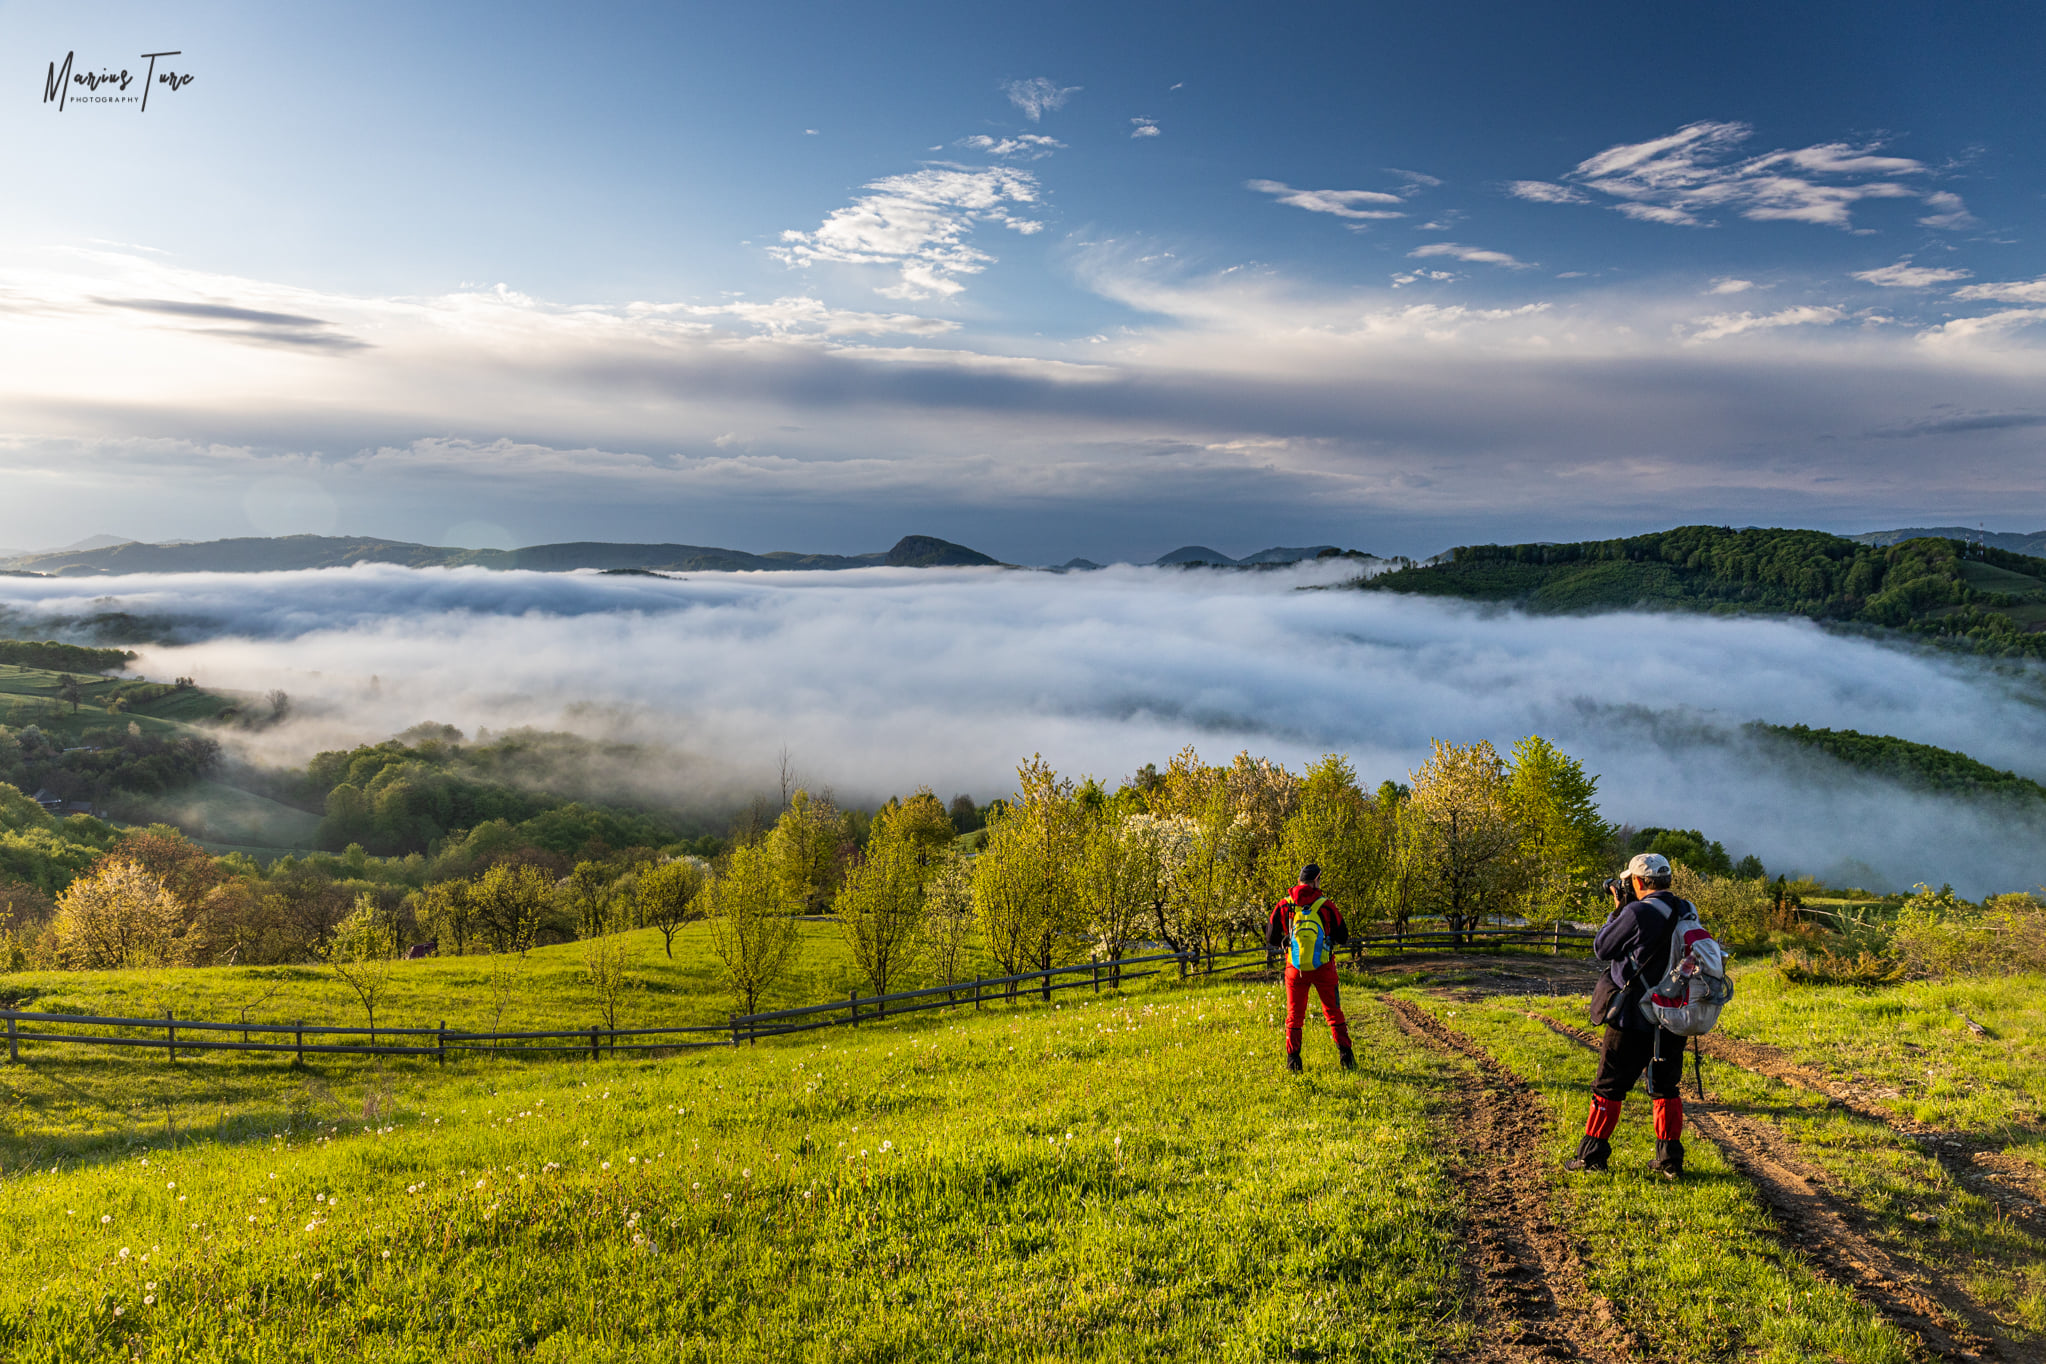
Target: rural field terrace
(1121,1177)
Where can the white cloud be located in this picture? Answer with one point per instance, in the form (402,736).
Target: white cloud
(1416,276)
(1730,285)
(1543,192)
(1416,180)
(1989,326)
(1684,177)
(804,316)
(1722,325)
(2015,291)
(1029,146)
(1037,95)
(918,223)
(1342,203)
(1948,212)
(1905,275)
(1144,127)
(1102,673)
(1475,254)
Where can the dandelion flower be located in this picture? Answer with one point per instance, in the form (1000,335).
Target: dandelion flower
(104,1219)
(607,1164)
(117,1311)
(124,1252)
(172,1185)
(149,1300)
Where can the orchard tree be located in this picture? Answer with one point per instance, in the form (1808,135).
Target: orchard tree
(509,900)
(363,955)
(1024,887)
(1473,838)
(1331,826)
(752,928)
(670,895)
(803,852)
(586,893)
(1562,837)
(881,905)
(1122,869)
(119,915)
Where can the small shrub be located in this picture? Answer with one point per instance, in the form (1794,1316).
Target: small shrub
(1823,966)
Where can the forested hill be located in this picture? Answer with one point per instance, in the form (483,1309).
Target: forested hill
(1980,596)
(1908,764)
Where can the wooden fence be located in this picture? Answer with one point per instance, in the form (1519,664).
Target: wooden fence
(193,1035)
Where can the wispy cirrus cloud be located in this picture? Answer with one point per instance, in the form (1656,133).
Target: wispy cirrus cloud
(1354,204)
(1476,255)
(1024,146)
(1038,95)
(1905,275)
(1722,325)
(2012,291)
(1144,127)
(919,224)
(1687,176)
(1730,285)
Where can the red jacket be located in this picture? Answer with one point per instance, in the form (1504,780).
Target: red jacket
(1280,927)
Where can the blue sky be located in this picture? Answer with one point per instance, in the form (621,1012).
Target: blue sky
(1094,280)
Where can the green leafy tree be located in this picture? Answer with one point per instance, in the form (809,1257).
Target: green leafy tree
(446,911)
(363,955)
(121,915)
(509,902)
(1562,838)
(669,895)
(752,926)
(1473,840)
(1122,876)
(1024,888)
(609,956)
(882,903)
(1331,826)
(586,893)
(804,851)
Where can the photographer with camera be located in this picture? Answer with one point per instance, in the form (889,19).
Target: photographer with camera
(1635,943)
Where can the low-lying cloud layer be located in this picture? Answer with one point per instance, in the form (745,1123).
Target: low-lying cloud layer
(881,680)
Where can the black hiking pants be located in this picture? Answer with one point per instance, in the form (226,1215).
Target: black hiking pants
(1629,1051)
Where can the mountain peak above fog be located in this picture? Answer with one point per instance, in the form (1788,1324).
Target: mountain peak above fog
(1277,554)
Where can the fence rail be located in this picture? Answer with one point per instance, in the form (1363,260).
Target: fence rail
(598,1040)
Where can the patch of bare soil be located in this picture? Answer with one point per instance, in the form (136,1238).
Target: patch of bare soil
(1946,1321)
(1484,975)
(1526,1288)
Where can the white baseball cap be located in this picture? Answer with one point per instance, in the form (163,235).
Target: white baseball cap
(1649,866)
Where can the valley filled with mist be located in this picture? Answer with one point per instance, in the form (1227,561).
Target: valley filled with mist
(881,680)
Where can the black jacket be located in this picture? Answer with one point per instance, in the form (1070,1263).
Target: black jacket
(1636,939)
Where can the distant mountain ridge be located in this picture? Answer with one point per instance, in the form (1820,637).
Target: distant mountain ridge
(273,554)
(1277,554)
(2032,543)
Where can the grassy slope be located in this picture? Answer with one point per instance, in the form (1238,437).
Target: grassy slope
(1912,1202)
(28,696)
(1113,1179)
(217,813)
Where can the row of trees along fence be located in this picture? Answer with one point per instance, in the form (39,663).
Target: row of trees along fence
(1190,858)
(597,1040)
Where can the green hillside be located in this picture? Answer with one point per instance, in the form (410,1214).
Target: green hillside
(1919,765)
(1987,599)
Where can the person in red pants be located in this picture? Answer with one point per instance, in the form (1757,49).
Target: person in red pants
(1308,928)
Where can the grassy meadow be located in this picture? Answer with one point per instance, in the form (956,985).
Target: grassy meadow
(1112,1176)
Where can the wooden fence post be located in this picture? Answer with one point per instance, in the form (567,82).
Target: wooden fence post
(170,1030)
(593,1041)
(1095,964)
(12,1054)
(299,1034)
(1046,979)
(735,1028)
(1557,948)
(976,999)
(441,1044)
(854,1000)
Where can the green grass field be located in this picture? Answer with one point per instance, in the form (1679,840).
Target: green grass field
(1127,1176)
(29,696)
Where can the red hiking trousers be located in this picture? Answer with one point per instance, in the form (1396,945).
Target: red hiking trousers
(1323,979)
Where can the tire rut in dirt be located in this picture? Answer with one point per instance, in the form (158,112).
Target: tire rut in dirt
(1944,1319)
(1527,1290)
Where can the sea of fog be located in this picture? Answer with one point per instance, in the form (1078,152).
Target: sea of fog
(882,680)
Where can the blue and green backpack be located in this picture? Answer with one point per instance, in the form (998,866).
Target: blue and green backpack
(1310,937)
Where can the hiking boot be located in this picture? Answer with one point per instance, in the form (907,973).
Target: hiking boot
(1349,1059)
(1293,1061)
(1669,1159)
(1592,1154)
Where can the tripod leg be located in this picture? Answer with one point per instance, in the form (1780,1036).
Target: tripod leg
(1698,1066)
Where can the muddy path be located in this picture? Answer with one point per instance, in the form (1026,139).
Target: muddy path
(1526,1288)
(1978,1161)
(1831,1232)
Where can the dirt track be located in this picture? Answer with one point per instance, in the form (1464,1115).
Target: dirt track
(1528,1295)
(1946,1321)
